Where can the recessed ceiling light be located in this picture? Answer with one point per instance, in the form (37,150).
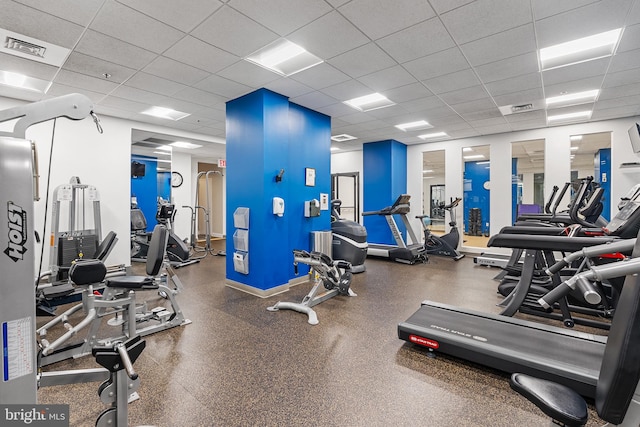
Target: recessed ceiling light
(165,147)
(370,102)
(573,98)
(163,161)
(575,138)
(467,149)
(418,125)
(334,149)
(342,137)
(580,50)
(474,157)
(570,116)
(427,177)
(574,148)
(165,113)
(284,57)
(437,135)
(427,171)
(21,81)
(184,144)
(163,153)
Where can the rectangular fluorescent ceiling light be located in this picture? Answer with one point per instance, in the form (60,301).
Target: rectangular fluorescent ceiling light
(580,50)
(334,149)
(575,138)
(569,116)
(284,57)
(420,124)
(369,102)
(574,148)
(573,98)
(436,135)
(21,81)
(342,137)
(184,144)
(427,171)
(474,157)
(162,153)
(467,149)
(165,113)
(163,161)
(164,147)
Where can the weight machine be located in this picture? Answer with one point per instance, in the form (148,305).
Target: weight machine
(206,211)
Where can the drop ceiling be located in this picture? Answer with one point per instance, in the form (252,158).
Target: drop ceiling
(452,63)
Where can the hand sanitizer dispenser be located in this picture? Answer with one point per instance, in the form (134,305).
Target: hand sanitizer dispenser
(278,206)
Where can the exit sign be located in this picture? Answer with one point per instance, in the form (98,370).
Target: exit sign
(222,163)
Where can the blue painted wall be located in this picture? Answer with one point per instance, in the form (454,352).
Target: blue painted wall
(266,133)
(516,191)
(602,175)
(145,189)
(384,179)
(164,185)
(475,195)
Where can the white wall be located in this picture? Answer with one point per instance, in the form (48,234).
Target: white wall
(557,164)
(102,160)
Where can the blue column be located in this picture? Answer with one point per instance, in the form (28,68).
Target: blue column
(384,179)
(265,134)
(602,175)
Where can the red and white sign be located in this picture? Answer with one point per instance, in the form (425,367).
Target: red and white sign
(222,163)
(423,341)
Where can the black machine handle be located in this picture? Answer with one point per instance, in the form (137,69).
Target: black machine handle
(582,283)
(554,191)
(560,197)
(555,268)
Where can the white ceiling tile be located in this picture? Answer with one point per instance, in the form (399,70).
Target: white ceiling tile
(338,109)
(389,78)
(131,26)
(123,104)
(493,121)
(114,50)
(578,85)
(480,114)
(591,19)
(199,54)
(423,104)
(362,60)
(27,67)
(288,87)
(133,94)
(442,6)
(525,125)
(347,90)
(546,8)
(103,110)
(507,68)
(79,13)
(281,16)
(622,78)
(199,97)
(154,84)
(530,116)
(632,100)
(630,39)
(519,98)
(222,86)
(437,64)
(471,107)
(619,91)
(95,67)
(488,130)
(515,84)
(408,92)
(60,90)
(514,42)
(583,70)
(417,41)
(485,17)
(384,113)
(378,18)
(249,74)
(230,30)
(447,83)
(73,79)
(314,100)
(328,36)
(208,111)
(355,118)
(176,14)
(625,61)
(634,15)
(321,76)
(20,19)
(173,70)
(467,94)
(615,113)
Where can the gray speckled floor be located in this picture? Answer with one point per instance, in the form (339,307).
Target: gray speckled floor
(238,364)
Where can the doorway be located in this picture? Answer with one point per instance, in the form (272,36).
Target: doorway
(346,187)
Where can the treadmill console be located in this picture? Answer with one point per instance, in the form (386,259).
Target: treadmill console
(626,222)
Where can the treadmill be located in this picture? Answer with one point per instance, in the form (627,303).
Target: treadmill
(400,252)
(513,345)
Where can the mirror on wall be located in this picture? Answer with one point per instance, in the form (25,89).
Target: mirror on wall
(476,189)
(591,156)
(433,190)
(527,168)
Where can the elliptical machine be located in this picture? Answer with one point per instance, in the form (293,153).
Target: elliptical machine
(447,244)
(349,241)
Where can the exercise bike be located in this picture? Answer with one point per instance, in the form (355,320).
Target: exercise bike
(447,244)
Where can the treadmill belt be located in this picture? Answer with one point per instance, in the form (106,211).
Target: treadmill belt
(507,344)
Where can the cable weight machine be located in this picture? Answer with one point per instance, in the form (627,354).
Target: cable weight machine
(206,211)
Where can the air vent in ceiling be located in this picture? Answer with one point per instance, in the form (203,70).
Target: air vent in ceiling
(29,48)
(522,108)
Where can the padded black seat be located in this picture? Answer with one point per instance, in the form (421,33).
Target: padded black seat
(155,258)
(88,271)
